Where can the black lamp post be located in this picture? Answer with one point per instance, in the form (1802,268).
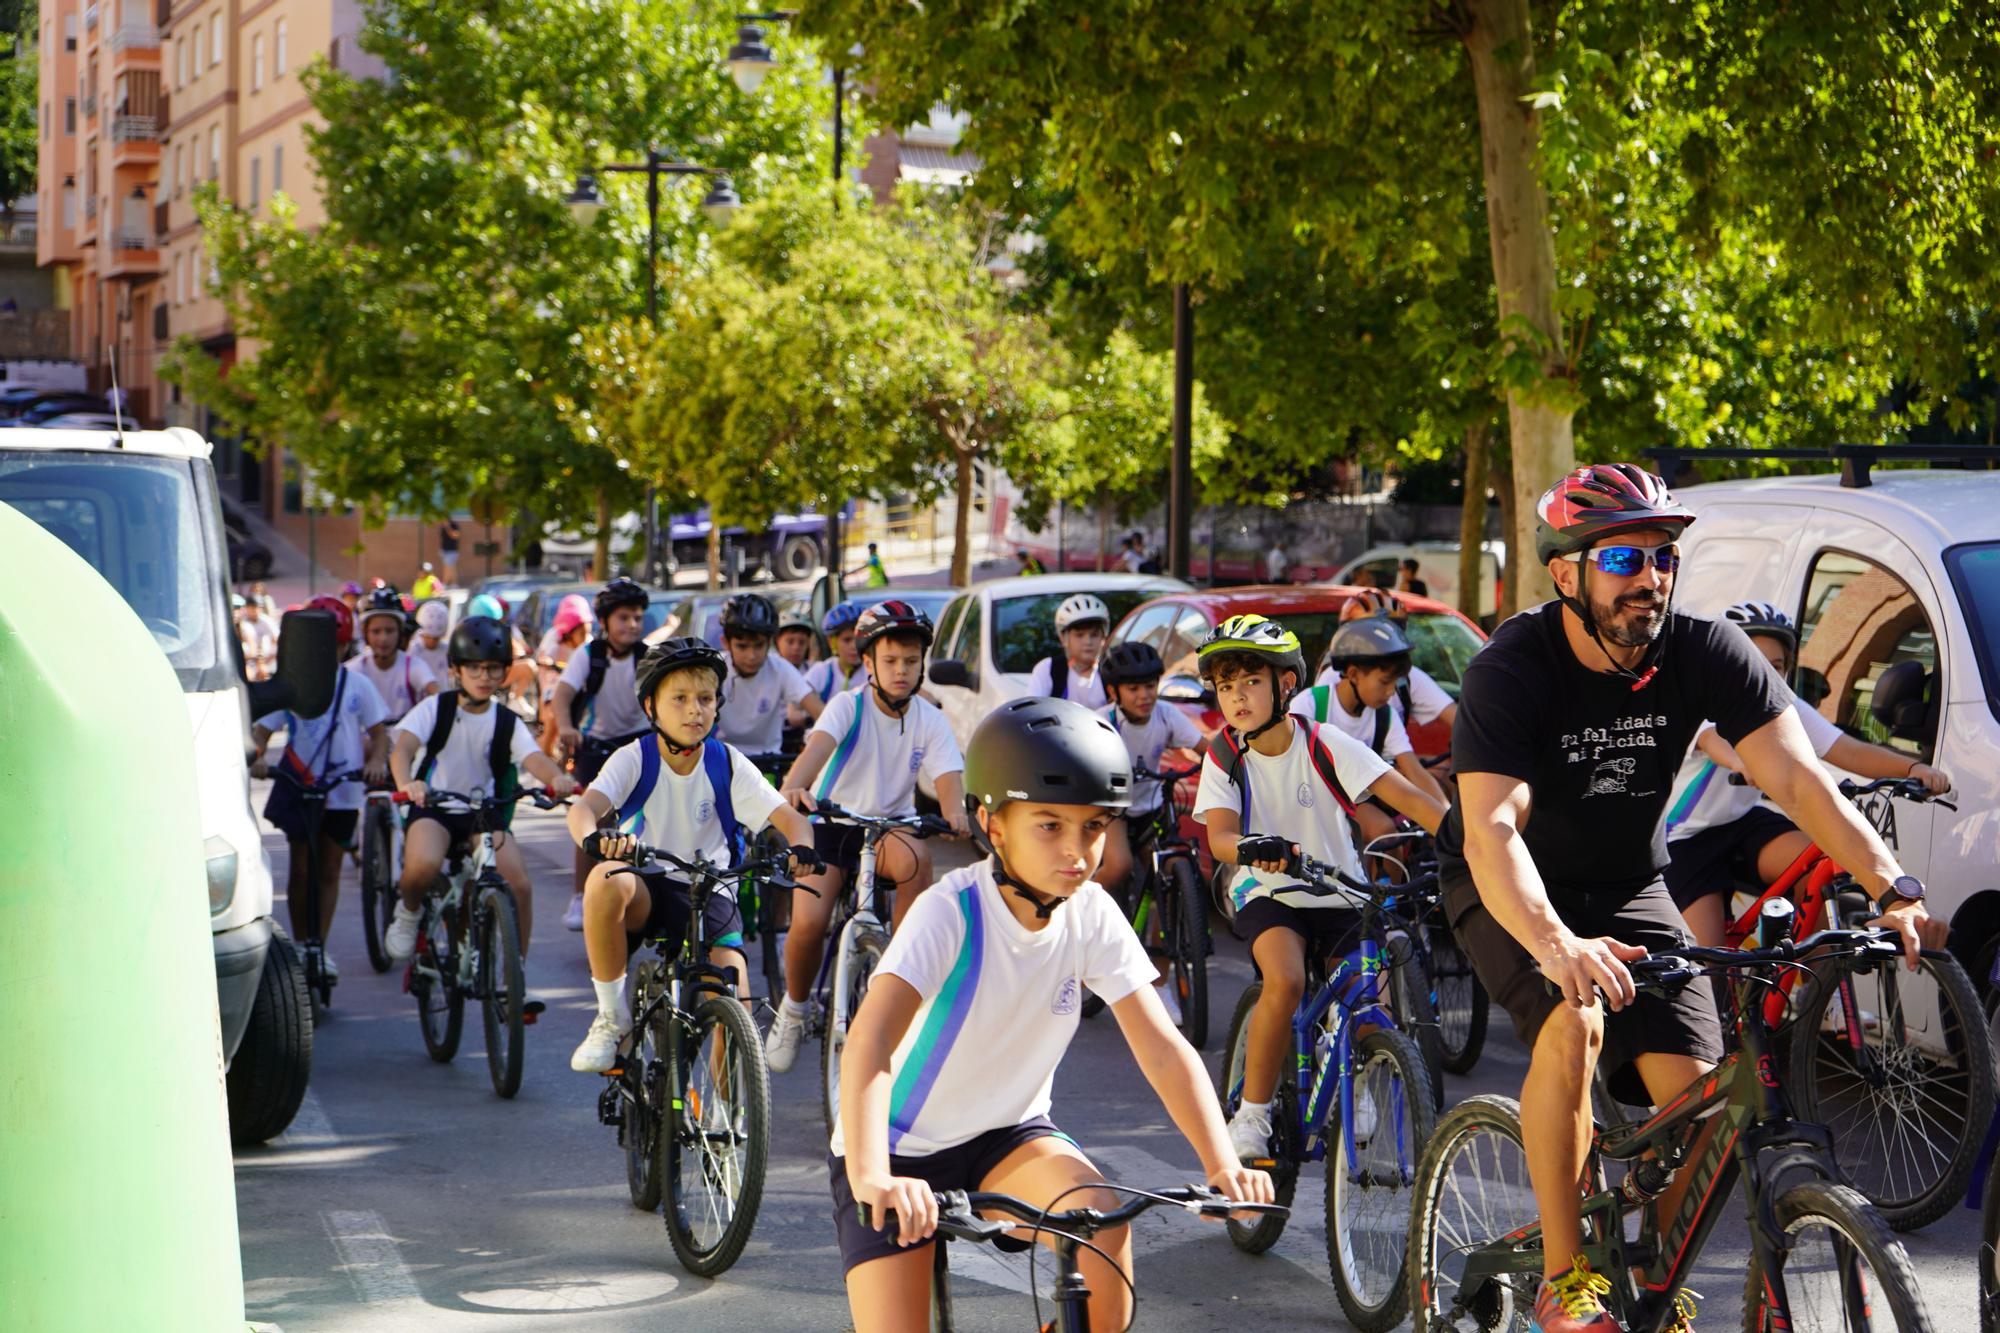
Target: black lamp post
(719,204)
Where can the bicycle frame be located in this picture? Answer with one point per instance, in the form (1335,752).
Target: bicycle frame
(1349,996)
(1811,882)
(854,914)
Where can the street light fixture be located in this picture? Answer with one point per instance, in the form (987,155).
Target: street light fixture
(750,59)
(584,202)
(721,202)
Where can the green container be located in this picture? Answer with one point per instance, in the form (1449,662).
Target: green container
(117,1199)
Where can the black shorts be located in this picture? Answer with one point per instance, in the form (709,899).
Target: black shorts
(1716,859)
(839,845)
(458,823)
(669,912)
(964,1167)
(590,755)
(337,825)
(1683,1023)
(1324,929)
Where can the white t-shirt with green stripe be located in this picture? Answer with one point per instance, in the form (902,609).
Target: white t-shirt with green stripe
(876,758)
(1000,1005)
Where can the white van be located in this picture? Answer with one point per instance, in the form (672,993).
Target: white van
(1437,566)
(143,511)
(1895,585)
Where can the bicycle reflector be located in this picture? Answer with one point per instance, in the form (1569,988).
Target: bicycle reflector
(1774,922)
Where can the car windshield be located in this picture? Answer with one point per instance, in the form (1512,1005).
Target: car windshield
(1975,574)
(1024,628)
(153,531)
(1441,646)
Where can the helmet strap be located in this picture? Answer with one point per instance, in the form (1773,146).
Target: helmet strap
(674,747)
(1044,904)
(1281,700)
(1655,654)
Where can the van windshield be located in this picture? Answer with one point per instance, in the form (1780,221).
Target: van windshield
(150,529)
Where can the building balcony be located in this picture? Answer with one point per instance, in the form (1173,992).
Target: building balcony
(90,16)
(89,207)
(132,255)
(135,129)
(90,106)
(18,234)
(132,35)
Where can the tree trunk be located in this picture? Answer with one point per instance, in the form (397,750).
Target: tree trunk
(600,559)
(1501,47)
(961,524)
(714,552)
(1104,535)
(1472,521)
(1510,588)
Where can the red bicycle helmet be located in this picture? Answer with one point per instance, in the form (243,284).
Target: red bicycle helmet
(892,617)
(343,619)
(1600,501)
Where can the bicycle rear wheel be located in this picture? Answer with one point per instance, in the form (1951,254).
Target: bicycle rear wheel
(1908,1098)
(378,884)
(434,983)
(1369,1192)
(1186,910)
(1843,1272)
(1472,1192)
(1989,1255)
(867,948)
(716,1140)
(1415,1006)
(1259,1236)
(646,1069)
(1461,1001)
(502,988)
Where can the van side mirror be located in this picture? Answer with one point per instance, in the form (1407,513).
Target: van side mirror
(949,671)
(1184,690)
(308,655)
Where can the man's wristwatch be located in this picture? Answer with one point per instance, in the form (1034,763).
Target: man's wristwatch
(1903,888)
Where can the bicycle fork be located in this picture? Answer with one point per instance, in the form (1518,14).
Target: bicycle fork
(864,919)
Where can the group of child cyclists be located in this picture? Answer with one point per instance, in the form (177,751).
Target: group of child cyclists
(950,1060)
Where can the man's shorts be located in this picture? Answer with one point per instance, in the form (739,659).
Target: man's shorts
(1717,859)
(590,755)
(1683,1023)
(1324,929)
(964,1167)
(670,910)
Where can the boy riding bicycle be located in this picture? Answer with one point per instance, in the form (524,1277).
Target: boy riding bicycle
(1571,723)
(760,685)
(841,668)
(596,703)
(473,746)
(864,755)
(397,675)
(681,789)
(951,1060)
(1275,784)
(1082,622)
(1420,700)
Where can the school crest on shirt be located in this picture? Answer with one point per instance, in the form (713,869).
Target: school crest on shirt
(916,759)
(763,707)
(704,812)
(1066,998)
(1305,795)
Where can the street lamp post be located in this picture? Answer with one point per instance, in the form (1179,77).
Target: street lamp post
(719,205)
(1180,476)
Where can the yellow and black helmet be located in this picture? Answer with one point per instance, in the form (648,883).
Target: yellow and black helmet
(1257,636)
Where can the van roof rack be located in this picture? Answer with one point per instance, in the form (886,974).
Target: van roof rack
(1855,459)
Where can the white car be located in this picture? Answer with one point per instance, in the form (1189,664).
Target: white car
(144,513)
(1437,566)
(991,635)
(1895,586)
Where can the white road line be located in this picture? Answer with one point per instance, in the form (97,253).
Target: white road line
(370,1257)
(309,1128)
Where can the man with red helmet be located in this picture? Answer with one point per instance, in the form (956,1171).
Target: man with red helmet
(1571,725)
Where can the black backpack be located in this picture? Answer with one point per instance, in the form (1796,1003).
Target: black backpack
(505,783)
(600,662)
(1058,676)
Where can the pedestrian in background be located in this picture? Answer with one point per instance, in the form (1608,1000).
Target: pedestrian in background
(1029,565)
(260,639)
(1276,562)
(448,549)
(1407,580)
(872,572)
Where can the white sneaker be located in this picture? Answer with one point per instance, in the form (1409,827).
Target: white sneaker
(401,938)
(1366,1116)
(573,914)
(1250,1135)
(781,1043)
(1171,1001)
(331,968)
(599,1049)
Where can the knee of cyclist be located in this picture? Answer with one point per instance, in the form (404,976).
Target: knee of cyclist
(602,884)
(1576,1031)
(1283,989)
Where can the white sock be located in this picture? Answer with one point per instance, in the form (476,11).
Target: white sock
(796,1008)
(1253,1108)
(611,999)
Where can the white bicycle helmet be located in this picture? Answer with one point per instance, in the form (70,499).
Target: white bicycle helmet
(1081,609)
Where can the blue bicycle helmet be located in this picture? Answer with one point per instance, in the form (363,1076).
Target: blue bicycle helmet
(839,616)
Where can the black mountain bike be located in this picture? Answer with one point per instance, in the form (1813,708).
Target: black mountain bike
(1821,1257)
(1167,906)
(378,873)
(690,1096)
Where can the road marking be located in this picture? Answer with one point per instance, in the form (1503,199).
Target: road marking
(366,1251)
(309,1128)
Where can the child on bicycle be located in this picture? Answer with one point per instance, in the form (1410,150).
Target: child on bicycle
(473,746)
(398,676)
(1131,673)
(1369,659)
(1082,622)
(1720,833)
(951,1059)
(841,668)
(596,703)
(864,755)
(352,733)
(760,685)
(1419,698)
(1275,784)
(669,798)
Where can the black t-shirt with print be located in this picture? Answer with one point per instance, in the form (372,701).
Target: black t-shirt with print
(1599,756)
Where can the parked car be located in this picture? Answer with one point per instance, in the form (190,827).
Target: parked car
(249,558)
(1895,585)
(23,398)
(992,634)
(88,421)
(48,406)
(1437,566)
(1441,639)
(698,615)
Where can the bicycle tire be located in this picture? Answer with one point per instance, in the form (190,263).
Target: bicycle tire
(1864,1235)
(868,949)
(744,1059)
(1472,1190)
(1463,1008)
(1871,1119)
(1410,1110)
(1989,1254)
(378,889)
(502,988)
(440,1003)
(1412,1001)
(1259,1236)
(772,953)
(639,1133)
(1189,956)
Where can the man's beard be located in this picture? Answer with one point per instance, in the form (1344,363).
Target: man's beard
(1613,625)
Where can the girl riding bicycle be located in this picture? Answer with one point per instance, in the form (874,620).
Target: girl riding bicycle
(951,1059)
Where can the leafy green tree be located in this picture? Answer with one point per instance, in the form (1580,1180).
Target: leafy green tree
(20,94)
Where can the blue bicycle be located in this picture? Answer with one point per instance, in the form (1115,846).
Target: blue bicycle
(1359,1097)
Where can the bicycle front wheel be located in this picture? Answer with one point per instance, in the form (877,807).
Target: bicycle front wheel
(646,1071)
(434,983)
(1898,1065)
(1369,1190)
(1472,1195)
(378,884)
(1260,1235)
(717,1137)
(867,947)
(502,989)
(1187,909)
(1415,1007)
(1461,1001)
(1842,1270)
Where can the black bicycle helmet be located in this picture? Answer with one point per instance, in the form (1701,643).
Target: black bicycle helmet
(663,659)
(620,592)
(1368,642)
(480,639)
(892,617)
(1131,664)
(1042,749)
(749,613)
(1764,618)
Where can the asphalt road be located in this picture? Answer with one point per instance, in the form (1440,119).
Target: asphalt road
(407,1196)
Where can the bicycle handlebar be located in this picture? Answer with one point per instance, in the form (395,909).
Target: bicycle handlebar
(322,786)
(1664,972)
(923,826)
(1907,789)
(959,1211)
(1169,776)
(775,872)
